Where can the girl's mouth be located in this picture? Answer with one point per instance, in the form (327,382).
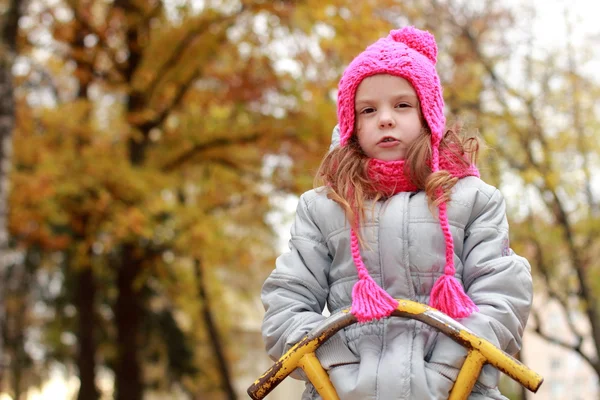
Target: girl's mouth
(388,142)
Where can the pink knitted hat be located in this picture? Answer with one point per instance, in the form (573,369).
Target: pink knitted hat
(411,54)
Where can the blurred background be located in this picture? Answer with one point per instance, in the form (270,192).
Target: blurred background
(152,152)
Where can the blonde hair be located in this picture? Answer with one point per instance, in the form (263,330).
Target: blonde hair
(344,171)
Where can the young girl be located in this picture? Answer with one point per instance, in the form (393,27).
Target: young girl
(402,214)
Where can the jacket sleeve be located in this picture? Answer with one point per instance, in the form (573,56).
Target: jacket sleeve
(497,280)
(295,293)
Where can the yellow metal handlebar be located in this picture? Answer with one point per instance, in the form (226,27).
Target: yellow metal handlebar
(480,352)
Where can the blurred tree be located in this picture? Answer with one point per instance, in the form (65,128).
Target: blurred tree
(8,49)
(146,149)
(152,136)
(13,276)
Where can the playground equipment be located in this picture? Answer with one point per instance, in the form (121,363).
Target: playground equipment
(480,352)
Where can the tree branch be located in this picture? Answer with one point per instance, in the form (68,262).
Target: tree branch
(10,30)
(578,126)
(213,331)
(182,46)
(514,164)
(544,269)
(537,131)
(83,20)
(576,348)
(219,142)
(147,120)
(589,300)
(500,87)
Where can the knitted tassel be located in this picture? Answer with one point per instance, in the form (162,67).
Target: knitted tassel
(447,294)
(449,297)
(369,300)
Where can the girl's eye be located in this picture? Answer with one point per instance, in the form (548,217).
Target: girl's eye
(403,105)
(367,110)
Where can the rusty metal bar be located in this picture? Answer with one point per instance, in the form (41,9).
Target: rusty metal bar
(480,352)
(290,360)
(468,375)
(463,336)
(318,376)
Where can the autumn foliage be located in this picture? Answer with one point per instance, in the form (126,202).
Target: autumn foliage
(152,137)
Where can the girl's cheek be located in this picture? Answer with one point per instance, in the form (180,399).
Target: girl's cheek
(358,126)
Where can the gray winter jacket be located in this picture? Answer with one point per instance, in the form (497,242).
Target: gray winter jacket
(398,358)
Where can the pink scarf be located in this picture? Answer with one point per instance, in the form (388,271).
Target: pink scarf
(390,176)
(369,300)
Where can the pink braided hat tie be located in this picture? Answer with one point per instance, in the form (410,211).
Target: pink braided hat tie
(369,300)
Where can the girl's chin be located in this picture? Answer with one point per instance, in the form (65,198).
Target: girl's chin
(390,157)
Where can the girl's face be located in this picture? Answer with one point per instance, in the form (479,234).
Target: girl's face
(388,117)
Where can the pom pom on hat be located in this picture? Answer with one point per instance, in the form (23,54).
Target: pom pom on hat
(418,40)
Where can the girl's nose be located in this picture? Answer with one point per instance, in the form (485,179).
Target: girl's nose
(386,122)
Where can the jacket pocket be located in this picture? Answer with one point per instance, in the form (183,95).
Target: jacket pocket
(440,379)
(349,384)
(449,374)
(335,352)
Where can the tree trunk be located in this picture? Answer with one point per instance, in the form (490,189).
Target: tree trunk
(15,342)
(86,292)
(8,49)
(129,308)
(18,280)
(213,334)
(7,120)
(128,313)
